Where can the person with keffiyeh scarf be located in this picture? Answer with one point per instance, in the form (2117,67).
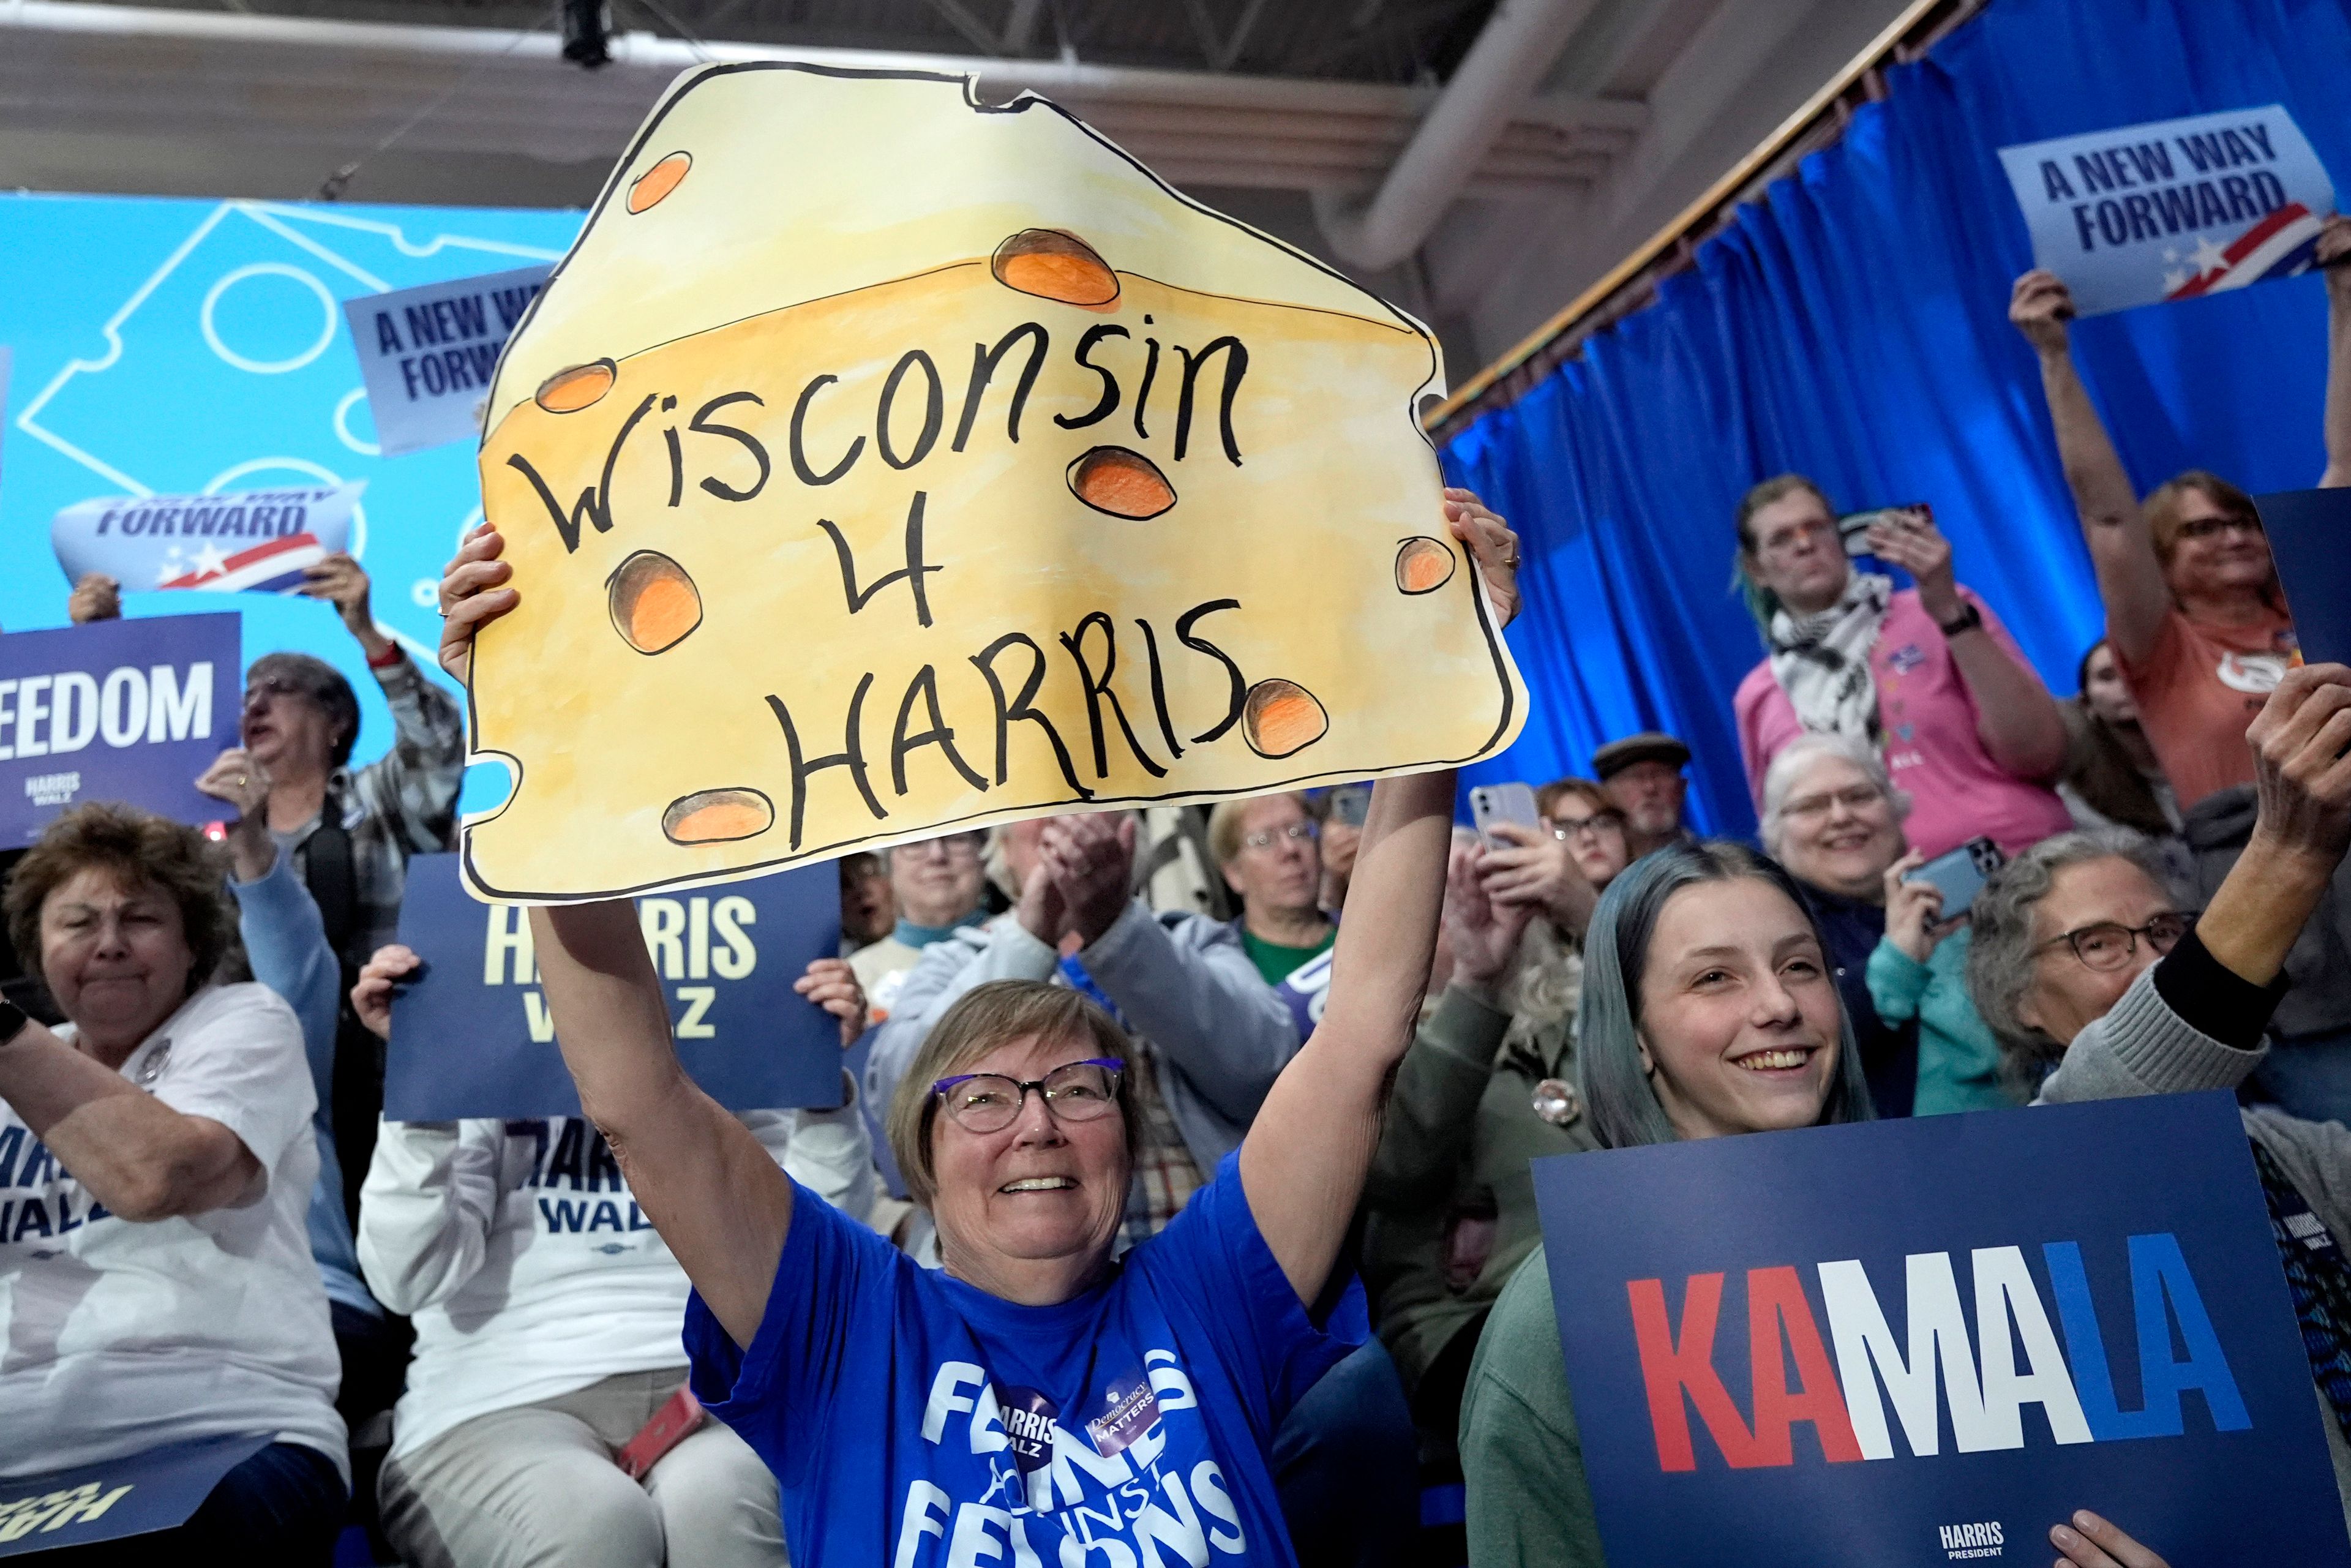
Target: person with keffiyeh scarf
(1927,675)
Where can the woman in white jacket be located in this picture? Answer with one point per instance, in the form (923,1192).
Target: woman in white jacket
(548,1313)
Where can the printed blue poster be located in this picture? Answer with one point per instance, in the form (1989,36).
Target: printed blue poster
(2306,531)
(2174,209)
(117,710)
(473,1037)
(426,353)
(114,1499)
(1904,1344)
(242,541)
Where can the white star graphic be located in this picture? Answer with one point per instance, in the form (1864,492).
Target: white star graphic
(172,566)
(2173,278)
(210,559)
(2207,256)
(2171,253)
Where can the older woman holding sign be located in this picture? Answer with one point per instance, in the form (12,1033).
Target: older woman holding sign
(1708,1010)
(156,1161)
(1034,1401)
(2194,612)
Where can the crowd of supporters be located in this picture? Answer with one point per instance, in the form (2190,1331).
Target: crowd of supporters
(1202,1134)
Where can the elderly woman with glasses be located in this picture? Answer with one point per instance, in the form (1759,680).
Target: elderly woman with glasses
(2098,989)
(1037,1399)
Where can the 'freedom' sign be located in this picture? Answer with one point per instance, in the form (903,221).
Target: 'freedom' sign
(427,353)
(2172,210)
(116,710)
(472,1036)
(1923,1342)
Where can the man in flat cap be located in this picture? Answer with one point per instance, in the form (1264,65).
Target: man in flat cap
(1643,775)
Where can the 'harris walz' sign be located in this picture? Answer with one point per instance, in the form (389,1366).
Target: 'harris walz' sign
(473,1036)
(2172,210)
(117,710)
(1767,1368)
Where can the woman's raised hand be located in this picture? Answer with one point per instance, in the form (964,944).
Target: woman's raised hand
(832,985)
(1914,910)
(472,596)
(1491,545)
(379,977)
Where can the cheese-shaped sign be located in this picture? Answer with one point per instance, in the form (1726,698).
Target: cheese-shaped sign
(881,462)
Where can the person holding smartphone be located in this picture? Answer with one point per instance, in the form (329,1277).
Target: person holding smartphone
(1927,676)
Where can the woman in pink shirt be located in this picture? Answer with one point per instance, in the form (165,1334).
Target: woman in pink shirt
(1929,674)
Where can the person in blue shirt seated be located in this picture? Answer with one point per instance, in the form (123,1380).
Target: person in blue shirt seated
(1034,1401)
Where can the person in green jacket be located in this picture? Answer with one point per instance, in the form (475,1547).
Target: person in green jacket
(1709,1010)
(1489,1084)
(1919,970)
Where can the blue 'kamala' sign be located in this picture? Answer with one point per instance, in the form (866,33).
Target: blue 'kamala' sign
(117,710)
(1928,1341)
(474,1037)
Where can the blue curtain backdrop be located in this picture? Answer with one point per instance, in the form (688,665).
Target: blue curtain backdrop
(1853,326)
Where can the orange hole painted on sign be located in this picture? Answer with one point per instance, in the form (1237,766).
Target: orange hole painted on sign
(718,817)
(1123,483)
(659,181)
(1278,717)
(570,391)
(1054,263)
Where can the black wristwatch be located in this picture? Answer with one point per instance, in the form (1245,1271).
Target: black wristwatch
(1970,618)
(12,1022)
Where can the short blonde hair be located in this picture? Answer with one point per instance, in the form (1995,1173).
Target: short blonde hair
(1224,822)
(985,1017)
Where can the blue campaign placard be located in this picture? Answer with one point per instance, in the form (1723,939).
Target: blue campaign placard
(155,1489)
(2173,209)
(1926,1341)
(2308,531)
(242,541)
(426,353)
(473,1036)
(117,710)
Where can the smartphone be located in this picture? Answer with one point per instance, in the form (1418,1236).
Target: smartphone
(1961,875)
(1853,527)
(1350,804)
(679,1418)
(1491,803)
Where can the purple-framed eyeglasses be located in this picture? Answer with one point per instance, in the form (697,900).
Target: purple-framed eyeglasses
(991,1101)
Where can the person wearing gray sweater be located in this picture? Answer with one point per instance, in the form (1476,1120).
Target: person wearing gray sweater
(2098,988)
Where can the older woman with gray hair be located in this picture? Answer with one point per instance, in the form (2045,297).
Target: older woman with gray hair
(1832,817)
(2099,987)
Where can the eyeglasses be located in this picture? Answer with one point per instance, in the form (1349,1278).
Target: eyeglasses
(2108,944)
(991,1102)
(1786,541)
(954,846)
(1590,827)
(278,687)
(1854,798)
(1296,833)
(2205,527)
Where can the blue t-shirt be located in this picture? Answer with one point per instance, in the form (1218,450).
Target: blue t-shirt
(916,1422)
